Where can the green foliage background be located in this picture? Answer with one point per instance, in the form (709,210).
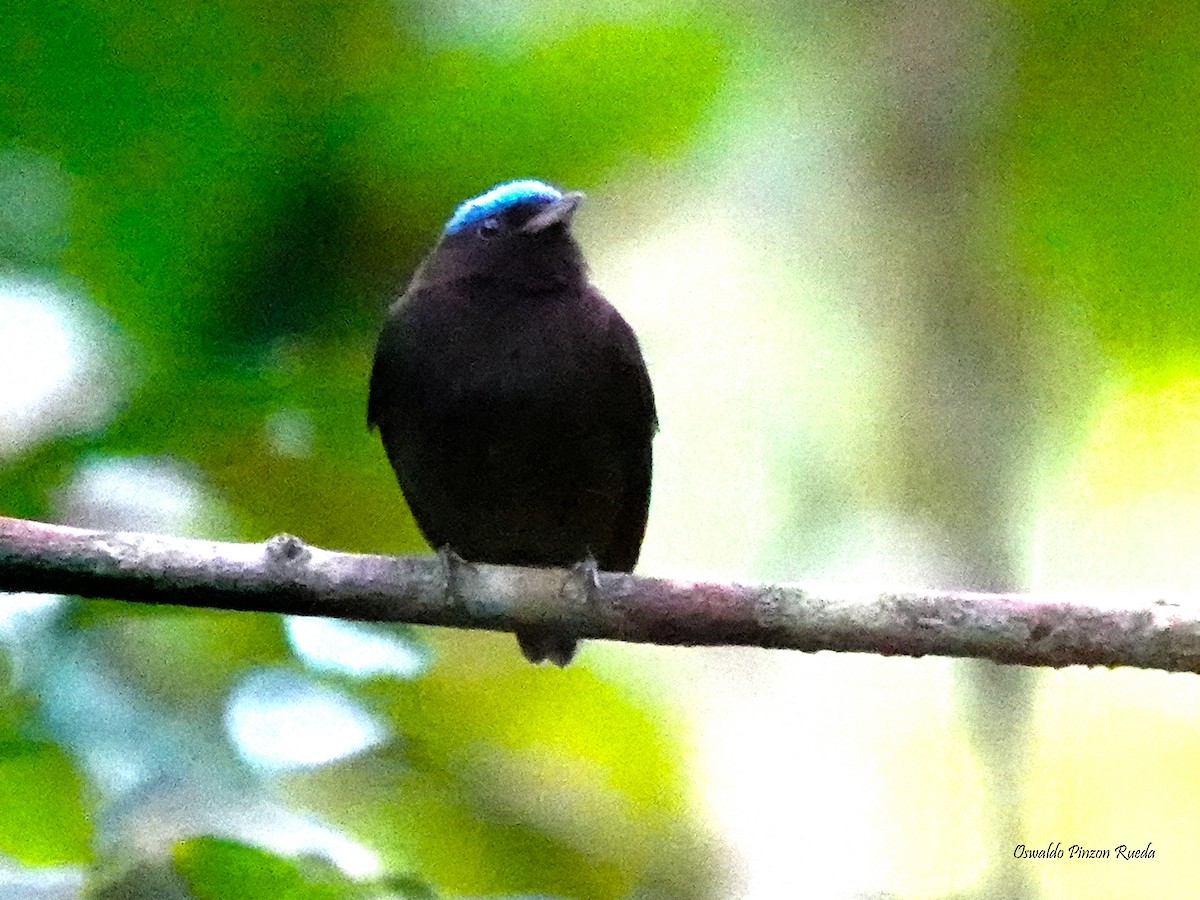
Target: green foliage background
(233,191)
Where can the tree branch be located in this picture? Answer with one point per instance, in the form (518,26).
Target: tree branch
(285,575)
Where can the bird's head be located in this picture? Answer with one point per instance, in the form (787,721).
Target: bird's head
(518,232)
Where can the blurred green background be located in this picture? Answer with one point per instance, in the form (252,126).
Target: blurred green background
(919,288)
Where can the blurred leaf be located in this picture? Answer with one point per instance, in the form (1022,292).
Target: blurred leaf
(42,817)
(222,869)
(218,869)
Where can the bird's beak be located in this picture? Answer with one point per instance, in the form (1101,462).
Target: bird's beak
(561,210)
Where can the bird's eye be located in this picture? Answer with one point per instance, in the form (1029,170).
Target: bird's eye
(489,227)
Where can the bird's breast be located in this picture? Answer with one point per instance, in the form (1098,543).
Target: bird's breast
(534,353)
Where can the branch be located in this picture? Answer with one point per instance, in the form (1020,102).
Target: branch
(285,575)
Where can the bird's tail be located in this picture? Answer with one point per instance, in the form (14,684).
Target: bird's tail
(541,644)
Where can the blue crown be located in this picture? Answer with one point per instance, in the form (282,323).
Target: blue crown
(498,199)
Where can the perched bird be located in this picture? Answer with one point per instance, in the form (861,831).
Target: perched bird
(513,400)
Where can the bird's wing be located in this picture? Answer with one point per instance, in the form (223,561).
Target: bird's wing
(631,369)
(388,404)
(387,372)
(635,418)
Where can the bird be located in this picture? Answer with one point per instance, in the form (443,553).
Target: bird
(513,400)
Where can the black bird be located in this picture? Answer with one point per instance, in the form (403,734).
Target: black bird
(513,400)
